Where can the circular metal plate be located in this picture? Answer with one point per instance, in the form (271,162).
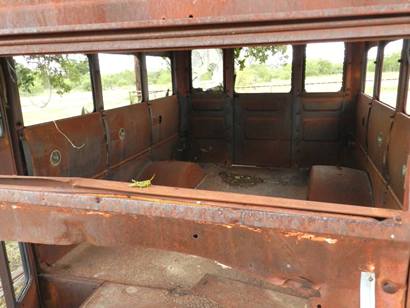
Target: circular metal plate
(121,134)
(55,158)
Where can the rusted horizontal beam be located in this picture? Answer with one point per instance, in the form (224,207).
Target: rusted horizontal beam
(193,196)
(296,32)
(18,17)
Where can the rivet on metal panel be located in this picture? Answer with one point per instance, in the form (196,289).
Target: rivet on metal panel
(131,290)
(55,158)
(379,139)
(121,134)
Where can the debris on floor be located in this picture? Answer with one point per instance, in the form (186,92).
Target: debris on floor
(275,182)
(236,179)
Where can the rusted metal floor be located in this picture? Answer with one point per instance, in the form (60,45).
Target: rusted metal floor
(138,277)
(276,182)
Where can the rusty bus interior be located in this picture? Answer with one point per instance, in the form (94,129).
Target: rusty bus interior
(287,141)
(300,141)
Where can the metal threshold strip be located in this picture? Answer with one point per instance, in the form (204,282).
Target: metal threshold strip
(164,193)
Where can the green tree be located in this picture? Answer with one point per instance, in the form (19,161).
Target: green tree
(391,62)
(60,72)
(258,54)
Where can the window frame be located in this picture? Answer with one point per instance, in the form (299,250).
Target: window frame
(341,91)
(2,126)
(398,105)
(95,81)
(292,71)
(364,69)
(224,89)
(144,78)
(405,106)
(99,95)
(403,103)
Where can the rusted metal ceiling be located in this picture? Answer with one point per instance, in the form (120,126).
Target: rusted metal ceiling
(87,26)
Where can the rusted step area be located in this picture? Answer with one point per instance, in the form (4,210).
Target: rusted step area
(139,277)
(210,292)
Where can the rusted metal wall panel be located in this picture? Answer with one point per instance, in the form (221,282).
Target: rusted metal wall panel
(263,129)
(398,151)
(69,292)
(49,151)
(165,127)
(128,131)
(7,165)
(379,184)
(380,121)
(363,105)
(164,118)
(210,127)
(321,128)
(298,249)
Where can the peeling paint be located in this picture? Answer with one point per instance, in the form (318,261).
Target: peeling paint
(99,213)
(230,226)
(310,237)
(223,265)
(251,228)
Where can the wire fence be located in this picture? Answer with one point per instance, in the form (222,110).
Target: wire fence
(288,85)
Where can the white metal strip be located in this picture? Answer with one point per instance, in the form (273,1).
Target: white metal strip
(367,290)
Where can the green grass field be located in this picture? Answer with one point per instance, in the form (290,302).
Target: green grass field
(51,106)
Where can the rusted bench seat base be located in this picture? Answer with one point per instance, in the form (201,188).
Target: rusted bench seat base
(340,185)
(173,173)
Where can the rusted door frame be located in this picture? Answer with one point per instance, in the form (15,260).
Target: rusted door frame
(9,96)
(282,241)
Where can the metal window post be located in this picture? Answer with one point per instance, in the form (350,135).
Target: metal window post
(5,277)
